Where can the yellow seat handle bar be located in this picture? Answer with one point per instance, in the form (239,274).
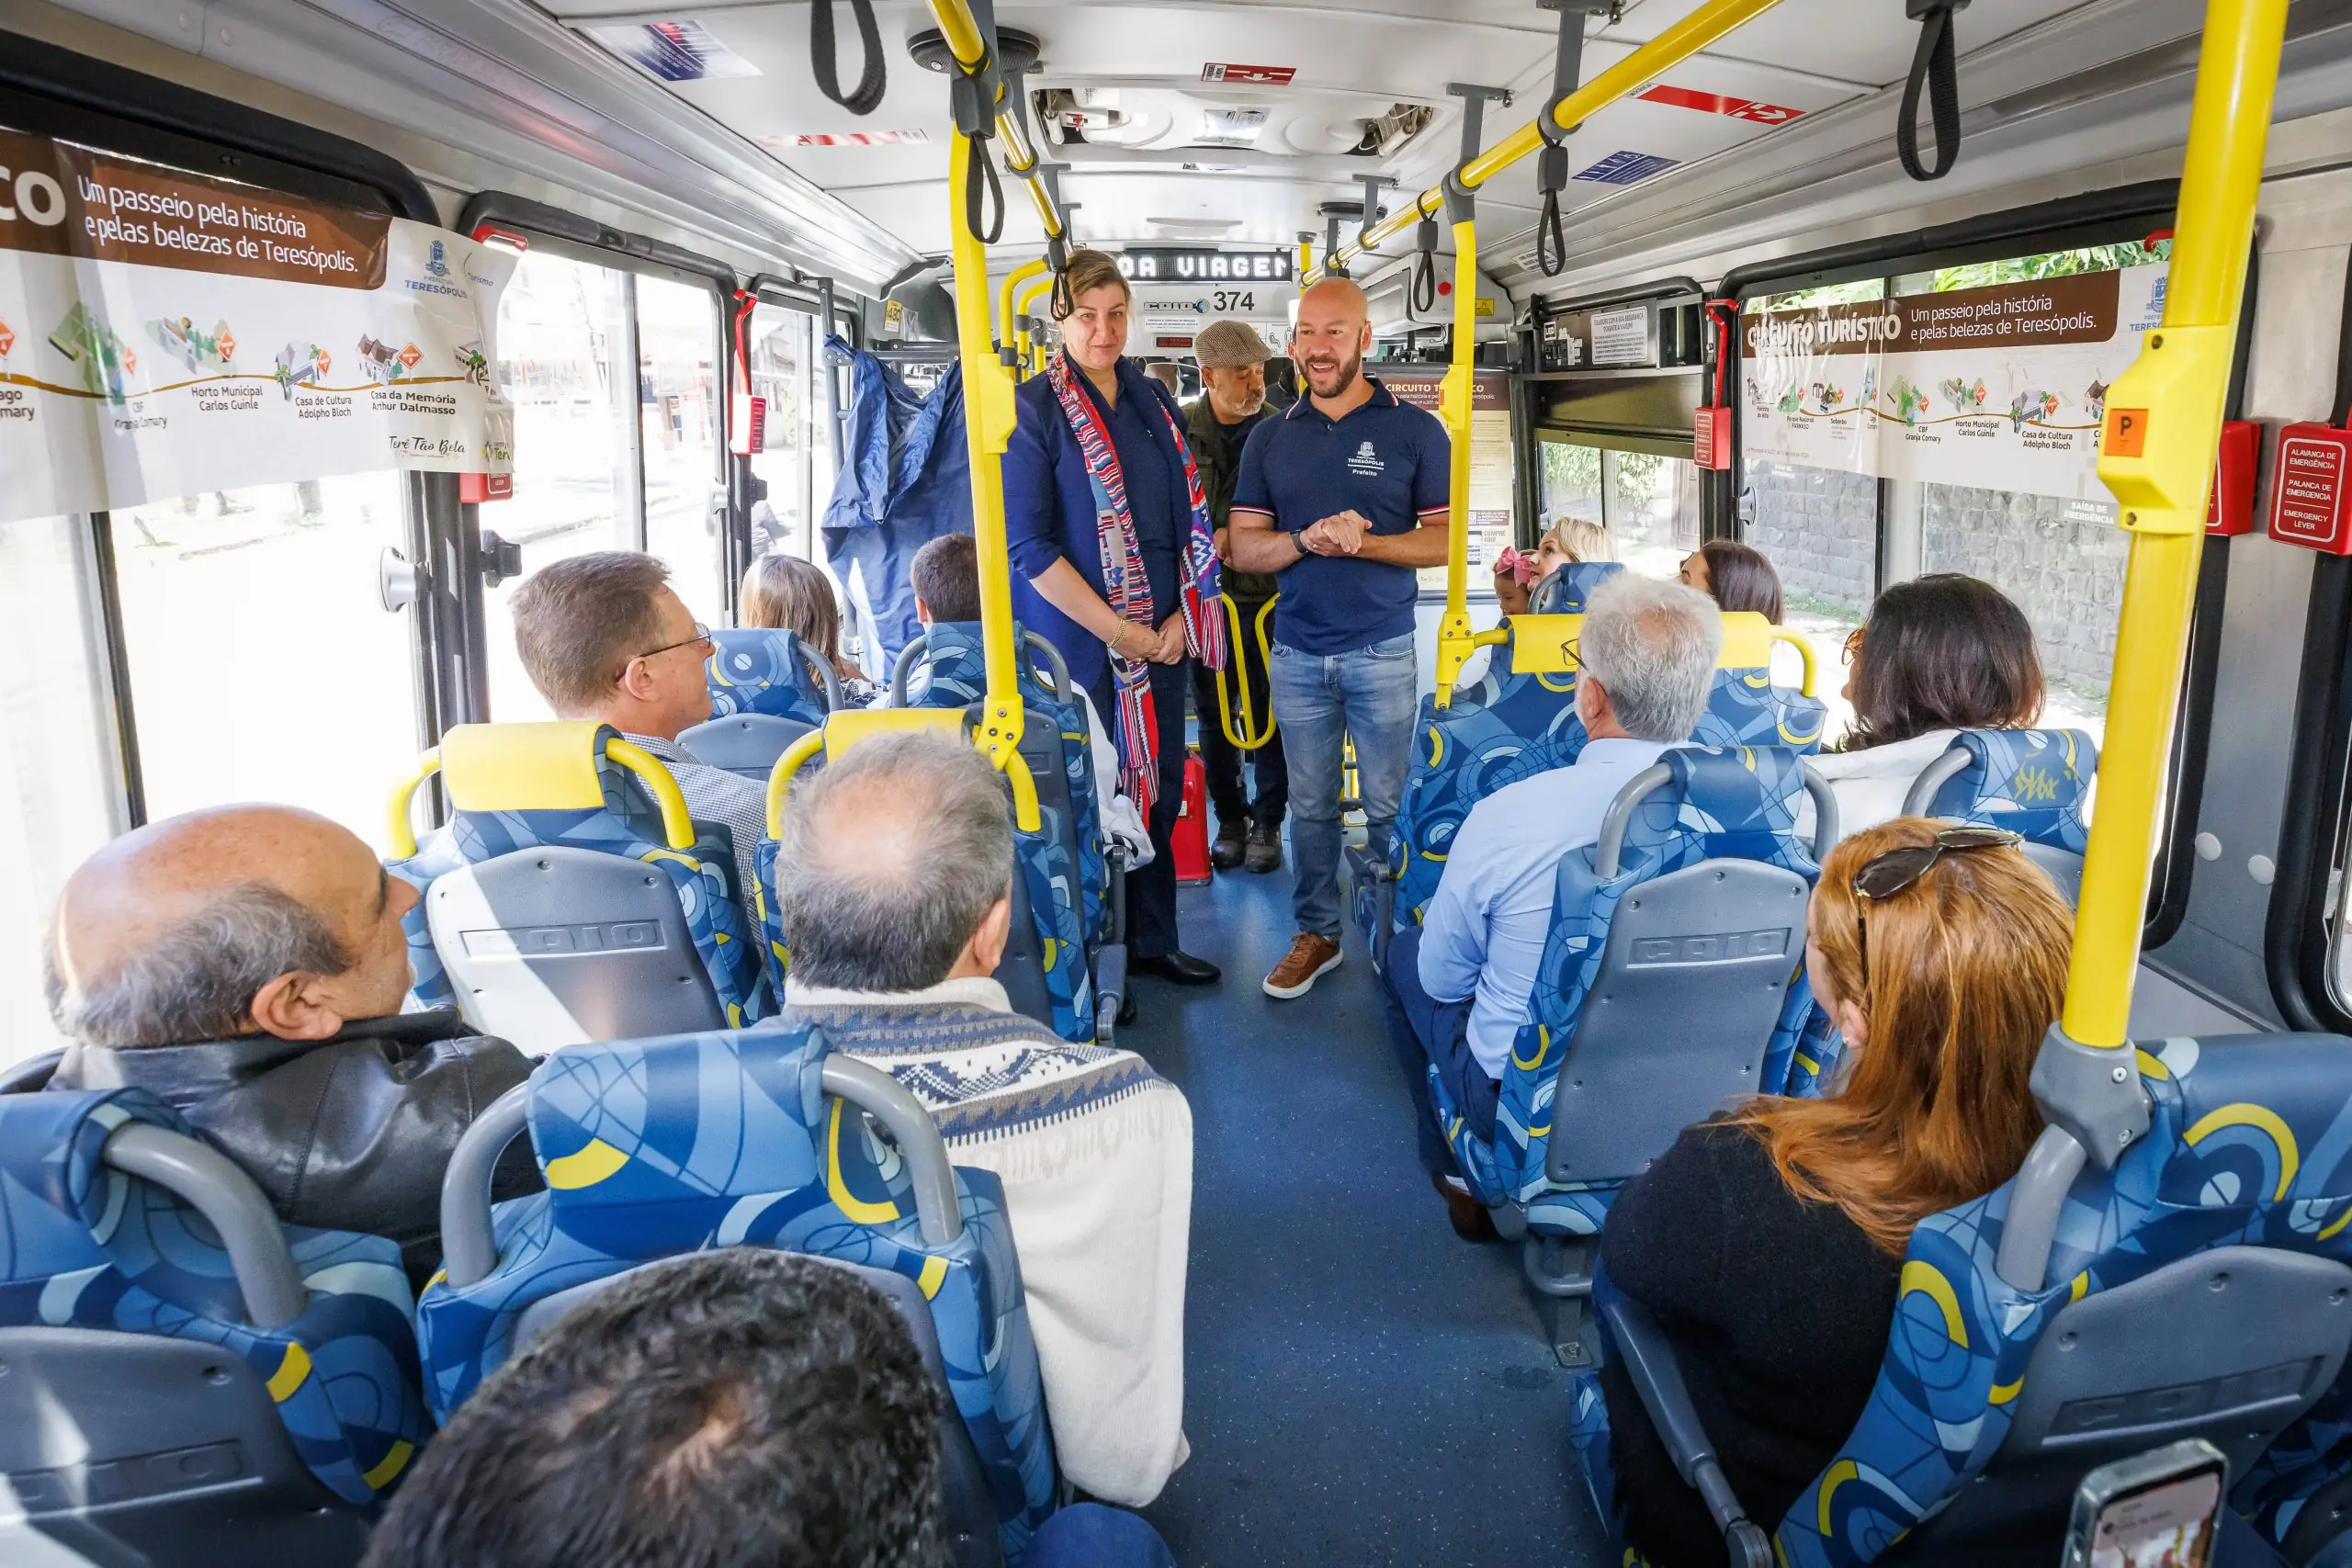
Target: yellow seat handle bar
(1251,737)
(1803,645)
(677,821)
(1025,814)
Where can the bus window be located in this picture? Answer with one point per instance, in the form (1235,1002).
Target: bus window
(782,373)
(1649,502)
(563,327)
(677,347)
(262,663)
(62,768)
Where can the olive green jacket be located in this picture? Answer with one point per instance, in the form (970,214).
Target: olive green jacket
(1217,454)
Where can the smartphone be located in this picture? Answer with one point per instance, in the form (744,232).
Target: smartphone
(2159,1509)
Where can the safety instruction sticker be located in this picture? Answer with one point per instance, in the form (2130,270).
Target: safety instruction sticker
(162,333)
(1719,103)
(2001,387)
(1627,168)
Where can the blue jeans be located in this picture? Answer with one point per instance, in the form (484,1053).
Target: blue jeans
(1318,698)
(1091,1535)
(1422,1029)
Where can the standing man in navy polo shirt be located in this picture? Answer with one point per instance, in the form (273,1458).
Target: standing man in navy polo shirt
(1344,497)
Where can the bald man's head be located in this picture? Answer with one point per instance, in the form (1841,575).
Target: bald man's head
(891,860)
(1334,331)
(242,920)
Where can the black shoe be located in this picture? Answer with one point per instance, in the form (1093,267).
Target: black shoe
(1178,968)
(1230,846)
(1265,851)
(1127,1009)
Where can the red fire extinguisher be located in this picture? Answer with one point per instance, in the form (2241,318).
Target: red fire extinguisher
(1189,842)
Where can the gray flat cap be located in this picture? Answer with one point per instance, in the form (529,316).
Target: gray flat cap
(1229,345)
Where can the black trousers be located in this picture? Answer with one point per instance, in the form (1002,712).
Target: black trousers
(1224,759)
(1151,890)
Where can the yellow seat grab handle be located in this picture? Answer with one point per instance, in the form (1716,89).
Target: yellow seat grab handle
(1803,645)
(399,830)
(1251,737)
(677,821)
(1026,813)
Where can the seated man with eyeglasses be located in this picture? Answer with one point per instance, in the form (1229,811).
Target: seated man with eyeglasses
(1457,985)
(605,638)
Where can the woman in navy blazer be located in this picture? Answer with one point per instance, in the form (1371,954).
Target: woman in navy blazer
(1056,541)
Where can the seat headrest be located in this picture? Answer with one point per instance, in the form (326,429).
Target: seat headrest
(658,1145)
(1727,803)
(560,766)
(2031,781)
(761,669)
(1565,589)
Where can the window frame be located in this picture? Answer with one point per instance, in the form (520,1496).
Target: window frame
(816,299)
(2110,217)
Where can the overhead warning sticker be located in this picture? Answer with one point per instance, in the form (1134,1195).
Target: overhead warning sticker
(1720,103)
(1627,168)
(673,51)
(1249,75)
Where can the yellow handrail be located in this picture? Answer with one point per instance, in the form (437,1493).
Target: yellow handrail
(1022,299)
(1013,280)
(2164,419)
(780,776)
(677,822)
(1637,70)
(400,833)
(1453,644)
(1803,645)
(1249,738)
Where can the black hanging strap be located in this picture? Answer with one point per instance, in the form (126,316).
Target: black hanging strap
(868,96)
(979,173)
(1425,274)
(1552,164)
(1935,67)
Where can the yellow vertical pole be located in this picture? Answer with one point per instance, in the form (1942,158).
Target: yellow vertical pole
(1013,280)
(1453,644)
(2164,420)
(988,430)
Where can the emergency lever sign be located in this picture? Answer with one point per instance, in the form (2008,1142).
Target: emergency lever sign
(2308,488)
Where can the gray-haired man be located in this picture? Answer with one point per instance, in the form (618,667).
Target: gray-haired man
(247,965)
(1457,985)
(1232,403)
(895,880)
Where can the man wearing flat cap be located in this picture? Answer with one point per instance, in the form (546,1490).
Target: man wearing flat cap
(1233,373)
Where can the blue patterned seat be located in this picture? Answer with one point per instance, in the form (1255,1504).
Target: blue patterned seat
(1522,721)
(131,1331)
(2034,782)
(540,813)
(1715,805)
(2249,1147)
(946,668)
(1565,589)
(1045,968)
(653,1149)
(772,672)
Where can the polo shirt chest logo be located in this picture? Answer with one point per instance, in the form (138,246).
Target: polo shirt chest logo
(1367,463)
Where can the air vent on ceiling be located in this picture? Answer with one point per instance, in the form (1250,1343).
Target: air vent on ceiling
(1229,128)
(1393,130)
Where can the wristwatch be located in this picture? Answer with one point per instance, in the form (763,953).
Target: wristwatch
(1298,542)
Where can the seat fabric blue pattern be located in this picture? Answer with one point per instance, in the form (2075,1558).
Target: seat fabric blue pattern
(87,1246)
(655,1148)
(2250,1143)
(1745,709)
(629,824)
(761,670)
(1565,591)
(2032,781)
(1736,804)
(1072,916)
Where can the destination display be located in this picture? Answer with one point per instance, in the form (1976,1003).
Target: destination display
(165,334)
(2002,387)
(1166,263)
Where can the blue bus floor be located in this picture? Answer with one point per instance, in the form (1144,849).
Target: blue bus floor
(1361,1386)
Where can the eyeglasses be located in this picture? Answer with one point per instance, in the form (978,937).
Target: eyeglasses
(1884,876)
(701,639)
(1853,644)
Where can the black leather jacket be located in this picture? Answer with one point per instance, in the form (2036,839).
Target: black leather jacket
(351,1132)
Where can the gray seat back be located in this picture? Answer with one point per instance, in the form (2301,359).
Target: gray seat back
(131,1450)
(2064,867)
(1678,1022)
(745,744)
(971,1509)
(2230,1346)
(1021,969)
(555,946)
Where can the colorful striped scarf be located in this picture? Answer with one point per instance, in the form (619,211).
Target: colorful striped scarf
(1129,591)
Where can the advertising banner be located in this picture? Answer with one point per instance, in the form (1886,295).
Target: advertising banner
(2002,387)
(1492,463)
(163,334)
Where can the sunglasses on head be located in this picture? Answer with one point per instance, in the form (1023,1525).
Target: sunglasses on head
(1885,875)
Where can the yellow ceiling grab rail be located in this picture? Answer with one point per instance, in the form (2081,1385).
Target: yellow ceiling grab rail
(962,30)
(1629,75)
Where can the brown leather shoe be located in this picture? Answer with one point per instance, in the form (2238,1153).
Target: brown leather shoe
(1310,958)
(1470,1219)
